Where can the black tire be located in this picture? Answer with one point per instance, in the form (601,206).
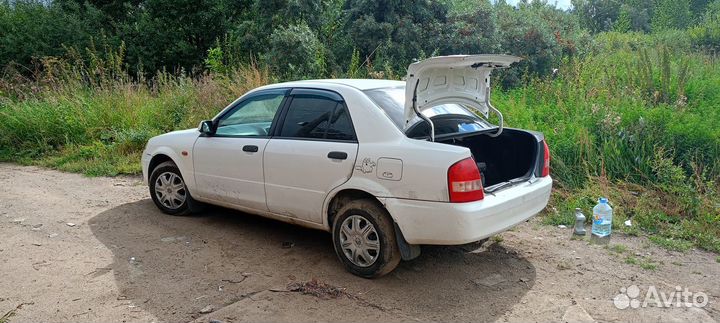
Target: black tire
(387,257)
(187,206)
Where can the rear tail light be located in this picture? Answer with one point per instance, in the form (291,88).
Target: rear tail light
(464,182)
(546,160)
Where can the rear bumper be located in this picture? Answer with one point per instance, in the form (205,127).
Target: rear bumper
(442,223)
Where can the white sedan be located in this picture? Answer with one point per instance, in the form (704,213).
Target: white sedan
(386,166)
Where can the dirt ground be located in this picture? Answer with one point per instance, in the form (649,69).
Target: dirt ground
(74,248)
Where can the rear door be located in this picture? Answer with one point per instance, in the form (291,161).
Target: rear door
(312,152)
(229,164)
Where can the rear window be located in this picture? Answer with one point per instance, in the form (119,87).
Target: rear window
(392,101)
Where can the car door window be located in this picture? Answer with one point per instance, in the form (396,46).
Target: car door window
(252,117)
(308,117)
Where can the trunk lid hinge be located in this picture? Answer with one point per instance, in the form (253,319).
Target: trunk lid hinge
(414,105)
(496,111)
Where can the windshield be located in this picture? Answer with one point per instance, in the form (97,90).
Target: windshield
(392,101)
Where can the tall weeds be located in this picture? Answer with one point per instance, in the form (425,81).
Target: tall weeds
(635,118)
(84,112)
(669,87)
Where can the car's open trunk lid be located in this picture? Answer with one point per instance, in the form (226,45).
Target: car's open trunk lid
(460,79)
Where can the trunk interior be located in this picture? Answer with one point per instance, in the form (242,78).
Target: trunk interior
(513,154)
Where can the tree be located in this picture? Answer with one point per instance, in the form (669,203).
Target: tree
(623,23)
(698,8)
(295,53)
(706,35)
(173,34)
(537,32)
(597,15)
(670,14)
(472,30)
(34,29)
(603,15)
(397,31)
(639,12)
(115,11)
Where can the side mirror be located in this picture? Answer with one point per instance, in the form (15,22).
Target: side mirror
(207,127)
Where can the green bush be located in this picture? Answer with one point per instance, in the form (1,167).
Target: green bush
(296,53)
(541,35)
(31,29)
(706,35)
(670,14)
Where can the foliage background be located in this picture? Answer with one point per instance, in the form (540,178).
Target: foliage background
(626,92)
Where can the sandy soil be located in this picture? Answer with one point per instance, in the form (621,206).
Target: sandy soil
(96,249)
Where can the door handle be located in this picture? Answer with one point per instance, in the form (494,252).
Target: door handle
(250,148)
(337,155)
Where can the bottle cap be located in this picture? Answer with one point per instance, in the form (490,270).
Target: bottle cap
(603,200)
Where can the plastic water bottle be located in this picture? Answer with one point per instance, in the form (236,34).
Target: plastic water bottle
(602,219)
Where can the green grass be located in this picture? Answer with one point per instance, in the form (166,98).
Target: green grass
(652,212)
(598,123)
(497,239)
(646,263)
(101,129)
(672,244)
(648,143)
(630,260)
(617,248)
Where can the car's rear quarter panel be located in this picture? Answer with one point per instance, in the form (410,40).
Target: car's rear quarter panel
(424,168)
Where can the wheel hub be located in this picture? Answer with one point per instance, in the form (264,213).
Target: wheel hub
(359,241)
(170,190)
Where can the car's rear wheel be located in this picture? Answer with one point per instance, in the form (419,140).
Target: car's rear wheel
(168,190)
(364,239)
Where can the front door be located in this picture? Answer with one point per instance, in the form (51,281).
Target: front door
(229,164)
(312,152)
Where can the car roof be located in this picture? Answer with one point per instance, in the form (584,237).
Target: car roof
(360,84)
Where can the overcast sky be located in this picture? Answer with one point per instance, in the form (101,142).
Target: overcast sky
(562,4)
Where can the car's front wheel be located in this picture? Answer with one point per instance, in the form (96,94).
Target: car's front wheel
(364,239)
(168,190)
